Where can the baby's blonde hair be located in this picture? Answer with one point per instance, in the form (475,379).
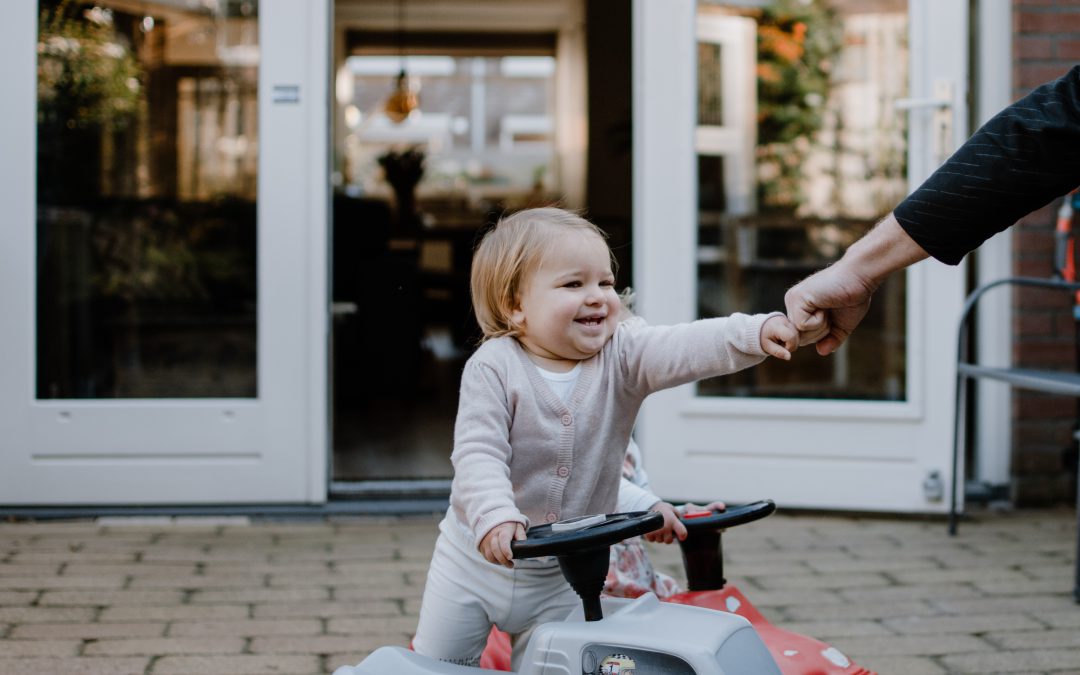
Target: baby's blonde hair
(508,254)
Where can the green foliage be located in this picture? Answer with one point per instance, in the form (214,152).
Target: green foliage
(87,74)
(798,42)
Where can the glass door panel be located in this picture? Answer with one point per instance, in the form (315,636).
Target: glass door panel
(795,149)
(828,162)
(147,167)
(164,252)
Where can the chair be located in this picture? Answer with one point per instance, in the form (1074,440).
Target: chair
(1053,382)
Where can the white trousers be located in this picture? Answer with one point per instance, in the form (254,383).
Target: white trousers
(466,594)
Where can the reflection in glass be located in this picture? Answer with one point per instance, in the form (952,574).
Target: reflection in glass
(146,186)
(486,124)
(829,161)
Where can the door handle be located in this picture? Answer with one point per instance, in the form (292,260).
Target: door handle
(340,309)
(941,105)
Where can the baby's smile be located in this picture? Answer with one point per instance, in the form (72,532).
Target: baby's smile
(590,320)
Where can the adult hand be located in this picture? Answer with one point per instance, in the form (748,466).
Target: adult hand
(495,546)
(828,305)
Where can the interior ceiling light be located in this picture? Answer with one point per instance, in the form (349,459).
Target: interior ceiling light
(404,99)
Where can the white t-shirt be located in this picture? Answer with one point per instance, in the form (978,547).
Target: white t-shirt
(561,383)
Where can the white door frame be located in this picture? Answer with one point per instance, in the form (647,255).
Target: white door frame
(993,410)
(271,448)
(683,436)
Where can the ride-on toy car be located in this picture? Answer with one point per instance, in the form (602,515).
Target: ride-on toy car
(712,629)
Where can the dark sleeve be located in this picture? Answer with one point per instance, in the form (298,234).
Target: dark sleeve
(1023,158)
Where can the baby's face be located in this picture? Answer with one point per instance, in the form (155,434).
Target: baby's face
(568,308)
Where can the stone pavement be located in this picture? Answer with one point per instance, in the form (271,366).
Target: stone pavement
(160,596)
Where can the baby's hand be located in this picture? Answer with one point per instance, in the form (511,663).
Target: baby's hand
(672,529)
(495,546)
(779,337)
(690,508)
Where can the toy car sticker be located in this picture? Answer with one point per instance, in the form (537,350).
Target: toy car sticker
(617,664)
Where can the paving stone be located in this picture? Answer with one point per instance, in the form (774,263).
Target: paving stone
(1011,662)
(370,608)
(164,646)
(45,614)
(1068,618)
(898,665)
(866,611)
(201,581)
(968,575)
(28,569)
(14,647)
(74,666)
(246,628)
(1018,638)
(243,664)
(910,592)
(831,631)
(54,582)
(88,631)
(916,645)
(78,598)
(824,582)
(326,644)
(967,623)
(167,613)
(128,569)
(8,598)
(1026,587)
(234,595)
(988,605)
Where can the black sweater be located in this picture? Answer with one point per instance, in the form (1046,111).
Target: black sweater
(1022,159)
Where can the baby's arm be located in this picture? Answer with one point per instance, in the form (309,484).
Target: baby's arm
(482,493)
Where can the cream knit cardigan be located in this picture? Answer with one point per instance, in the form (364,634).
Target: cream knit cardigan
(521,454)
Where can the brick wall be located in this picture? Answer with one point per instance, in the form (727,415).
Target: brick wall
(1046,43)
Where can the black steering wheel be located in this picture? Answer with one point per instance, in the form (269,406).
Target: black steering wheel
(702,552)
(581,546)
(583,534)
(736,515)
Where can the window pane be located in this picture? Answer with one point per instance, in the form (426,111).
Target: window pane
(829,161)
(485,124)
(146,186)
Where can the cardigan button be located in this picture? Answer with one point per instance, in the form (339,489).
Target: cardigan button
(551,517)
(563,471)
(567,420)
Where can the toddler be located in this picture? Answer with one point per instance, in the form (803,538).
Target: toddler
(547,404)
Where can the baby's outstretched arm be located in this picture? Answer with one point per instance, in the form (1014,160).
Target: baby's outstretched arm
(779,337)
(495,546)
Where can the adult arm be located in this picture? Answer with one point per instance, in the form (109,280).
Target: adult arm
(1024,157)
